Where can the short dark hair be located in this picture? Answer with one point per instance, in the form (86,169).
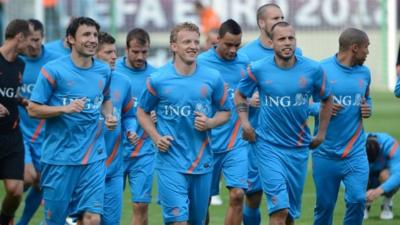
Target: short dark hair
(279,24)
(229,26)
(77,22)
(37,25)
(15,27)
(138,34)
(372,148)
(105,38)
(351,36)
(261,10)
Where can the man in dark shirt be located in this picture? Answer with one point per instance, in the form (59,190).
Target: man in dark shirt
(11,146)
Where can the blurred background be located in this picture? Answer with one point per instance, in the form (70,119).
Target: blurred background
(318,23)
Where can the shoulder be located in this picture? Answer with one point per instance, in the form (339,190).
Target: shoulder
(242,58)
(261,64)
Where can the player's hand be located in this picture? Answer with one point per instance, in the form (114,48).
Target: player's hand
(132,137)
(163,143)
(254,101)
(111,122)
(373,194)
(336,107)
(365,109)
(248,133)
(153,116)
(24,102)
(3,111)
(200,122)
(75,106)
(316,141)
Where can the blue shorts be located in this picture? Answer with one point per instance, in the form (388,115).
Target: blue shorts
(33,152)
(139,172)
(183,197)
(72,190)
(282,171)
(253,177)
(113,201)
(233,164)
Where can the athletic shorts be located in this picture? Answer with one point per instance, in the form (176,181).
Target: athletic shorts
(139,172)
(233,165)
(183,197)
(282,173)
(11,156)
(72,190)
(32,154)
(113,201)
(253,177)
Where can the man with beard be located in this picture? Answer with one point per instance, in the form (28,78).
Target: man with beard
(32,129)
(285,84)
(190,100)
(342,156)
(139,158)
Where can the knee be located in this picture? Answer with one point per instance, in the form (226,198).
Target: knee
(279,217)
(254,200)
(236,196)
(90,219)
(384,175)
(15,189)
(140,208)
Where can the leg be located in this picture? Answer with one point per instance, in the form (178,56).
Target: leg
(327,177)
(355,181)
(387,204)
(234,213)
(198,198)
(216,177)
(90,219)
(141,213)
(279,217)
(14,190)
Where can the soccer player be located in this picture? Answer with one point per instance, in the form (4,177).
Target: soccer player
(120,93)
(267,15)
(17,39)
(189,99)
(59,46)
(33,129)
(139,159)
(71,93)
(383,153)
(282,139)
(342,157)
(230,150)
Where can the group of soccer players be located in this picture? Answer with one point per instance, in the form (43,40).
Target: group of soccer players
(91,122)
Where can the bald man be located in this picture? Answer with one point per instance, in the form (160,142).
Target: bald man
(341,157)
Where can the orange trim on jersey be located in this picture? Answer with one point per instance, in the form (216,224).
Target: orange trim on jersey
(352,140)
(234,134)
(301,133)
(139,145)
(106,92)
(48,77)
(150,88)
(128,106)
(15,124)
(37,130)
(114,151)
(393,149)
(251,75)
(89,150)
(225,96)
(198,157)
(322,91)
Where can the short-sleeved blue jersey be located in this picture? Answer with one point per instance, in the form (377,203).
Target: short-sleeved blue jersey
(284,98)
(388,158)
(227,136)
(75,138)
(58,47)
(176,98)
(137,79)
(122,100)
(32,128)
(349,86)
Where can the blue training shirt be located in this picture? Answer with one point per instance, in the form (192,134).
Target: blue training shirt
(31,128)
(175,98)
(388,158)
(345,134)
(58,47)
(284,98)
(397,88)
(137,79)
(227,136)
(75,138)
(122,100)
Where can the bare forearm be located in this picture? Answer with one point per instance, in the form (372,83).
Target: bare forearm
(107,108)
(219,118)
(325,115)
(147,124)
(44,111)
(242,107)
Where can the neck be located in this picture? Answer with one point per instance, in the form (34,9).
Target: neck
(9,51)
(265,40)
(183,68)
(80,60)
(128,64)
(345,59)
(282,63)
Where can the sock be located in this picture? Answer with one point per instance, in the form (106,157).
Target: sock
(251,216)
(4,219)
(32,203)
(387,201)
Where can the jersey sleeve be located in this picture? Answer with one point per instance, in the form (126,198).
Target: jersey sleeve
(149,97)
(220,98)
(44,87)
(321,85)
(128,116)
(367,94)
(248,83)
(106,90)
(394,166)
